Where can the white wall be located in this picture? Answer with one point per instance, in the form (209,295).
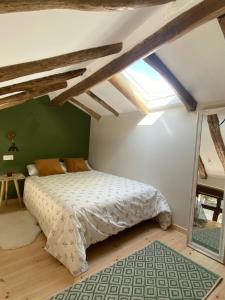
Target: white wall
(161,154)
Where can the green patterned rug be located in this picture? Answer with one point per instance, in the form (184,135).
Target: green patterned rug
(155,272)
(207,237)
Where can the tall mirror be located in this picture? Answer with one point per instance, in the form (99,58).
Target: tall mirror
(206,230)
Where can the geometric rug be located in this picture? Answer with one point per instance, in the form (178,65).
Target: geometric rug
(155,272)
(208,237)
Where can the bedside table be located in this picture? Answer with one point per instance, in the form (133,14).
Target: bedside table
(4,179)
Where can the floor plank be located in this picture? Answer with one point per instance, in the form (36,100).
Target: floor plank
(30,273)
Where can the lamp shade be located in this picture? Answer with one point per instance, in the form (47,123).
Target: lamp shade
(13,148)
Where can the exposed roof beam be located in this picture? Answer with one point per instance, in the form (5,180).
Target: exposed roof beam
(11,104)
(26,96)
(102,103)
(214,128)
(124,88)
(201,169)
(33,5)
(222,23)
(41,82)
(188,100)
(47,64)
(187,21)
(85,108)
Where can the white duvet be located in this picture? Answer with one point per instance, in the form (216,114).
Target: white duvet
(76,210)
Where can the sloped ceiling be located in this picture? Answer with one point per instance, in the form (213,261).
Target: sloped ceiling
(197,59)
(36,35)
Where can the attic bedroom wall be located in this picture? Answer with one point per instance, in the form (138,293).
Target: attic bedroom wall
(161,154)
(43,131)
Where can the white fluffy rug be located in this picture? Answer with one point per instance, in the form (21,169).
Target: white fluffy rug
(17,229)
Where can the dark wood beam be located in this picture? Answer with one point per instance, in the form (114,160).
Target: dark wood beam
(123,86)
(47,64)
(26,96)
(188,100)
(102,103)
(211,192)
(201,169)
(85,108)
(96,5)
(222,23)
(41,82)
(187,21)
(11,104)
(214,128)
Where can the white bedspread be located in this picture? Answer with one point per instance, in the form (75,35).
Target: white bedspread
(76,210)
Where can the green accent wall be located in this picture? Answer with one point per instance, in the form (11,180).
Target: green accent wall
(43,131)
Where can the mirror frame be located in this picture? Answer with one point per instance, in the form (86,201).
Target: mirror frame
(221,255)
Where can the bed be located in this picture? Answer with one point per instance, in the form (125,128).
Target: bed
(75,210)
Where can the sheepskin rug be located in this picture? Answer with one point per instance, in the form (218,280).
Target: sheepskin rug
(17,229)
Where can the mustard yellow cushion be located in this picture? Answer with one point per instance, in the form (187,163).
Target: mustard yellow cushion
(48,167)
(75,165)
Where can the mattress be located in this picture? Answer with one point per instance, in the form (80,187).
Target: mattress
(76,210)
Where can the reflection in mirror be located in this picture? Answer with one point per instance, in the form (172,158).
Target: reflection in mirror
(208,209)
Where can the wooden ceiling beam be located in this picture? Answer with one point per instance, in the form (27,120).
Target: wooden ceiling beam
(187,21)
(188,100)
(222,23)
(41,82)
(26,96)
(47,64)
(214,128)
(85,108)
(89,5)
(102,103)
(201,169)
(11,104)
(124,88)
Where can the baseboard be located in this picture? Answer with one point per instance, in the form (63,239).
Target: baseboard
(180,229)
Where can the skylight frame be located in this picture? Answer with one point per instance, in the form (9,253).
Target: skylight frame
(153,102)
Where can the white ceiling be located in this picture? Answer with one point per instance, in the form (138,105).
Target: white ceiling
(35,35)
(197,59)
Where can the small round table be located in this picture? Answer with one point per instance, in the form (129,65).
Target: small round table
(4,179)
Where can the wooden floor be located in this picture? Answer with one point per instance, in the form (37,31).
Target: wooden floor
(30,273)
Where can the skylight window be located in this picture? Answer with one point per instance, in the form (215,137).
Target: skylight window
(154,89)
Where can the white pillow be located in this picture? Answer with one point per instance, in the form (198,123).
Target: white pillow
(32,170)
(63,166)
(89,167)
